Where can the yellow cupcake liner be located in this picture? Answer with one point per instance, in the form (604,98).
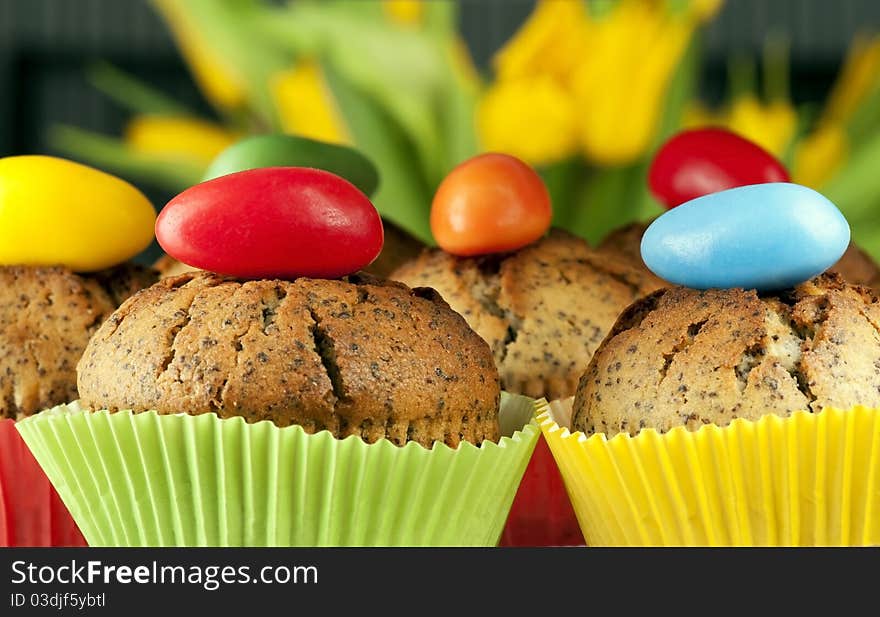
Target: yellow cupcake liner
(806,480)
(146,479)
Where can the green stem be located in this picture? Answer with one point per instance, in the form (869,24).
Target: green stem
(132,93)
(602,205)
(776,68)
(113,155)
(741,75)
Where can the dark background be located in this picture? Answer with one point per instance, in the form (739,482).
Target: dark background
(44,45)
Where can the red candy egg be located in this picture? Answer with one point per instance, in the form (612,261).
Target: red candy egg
(702,161)
(272,222)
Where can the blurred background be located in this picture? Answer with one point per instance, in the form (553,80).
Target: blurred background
(585,91)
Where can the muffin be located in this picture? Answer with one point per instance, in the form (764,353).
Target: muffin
(67,233)
(308,412)
(48,315)
(855,266)
(626,242)
(275,408)
(361,356)
(726,417)
(543,309)
(169,267)
(682,357)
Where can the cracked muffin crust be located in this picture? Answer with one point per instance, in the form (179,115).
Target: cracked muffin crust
(47,315)
(359,356)
(855,266)
(682,357)
(543,309)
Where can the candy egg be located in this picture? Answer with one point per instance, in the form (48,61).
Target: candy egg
(272,222)
(491,203)
(291,151)
(57,212)
(765,236)
(698,162)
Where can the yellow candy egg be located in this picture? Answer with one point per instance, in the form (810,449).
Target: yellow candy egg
(57,212)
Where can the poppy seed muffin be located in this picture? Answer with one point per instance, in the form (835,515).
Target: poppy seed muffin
(359,356)
(123,281)
(543,309)
(682,357)
(47,315)
(855,266)
(625,242)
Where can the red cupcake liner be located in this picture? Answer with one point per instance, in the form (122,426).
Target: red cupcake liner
(542,514)
(31,513)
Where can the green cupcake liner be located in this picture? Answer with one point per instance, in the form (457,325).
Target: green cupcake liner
(178,480)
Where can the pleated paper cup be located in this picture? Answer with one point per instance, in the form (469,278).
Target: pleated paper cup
(31,513)
(542,514)
(805,480)
(178,480)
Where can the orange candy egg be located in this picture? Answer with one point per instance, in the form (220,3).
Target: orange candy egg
(491,203)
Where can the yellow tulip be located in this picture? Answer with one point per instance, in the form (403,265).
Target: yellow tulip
(770,125)
(532,118)
(621,80)
(306,105)
(858,76)
(404,12)
(178,137)
(550,42)
(217,80)
(819,155)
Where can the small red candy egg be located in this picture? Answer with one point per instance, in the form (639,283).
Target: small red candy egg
(702,161)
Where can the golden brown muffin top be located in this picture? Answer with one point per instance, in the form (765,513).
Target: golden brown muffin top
(543,309)
(47,315)
(682,357)
(357,357)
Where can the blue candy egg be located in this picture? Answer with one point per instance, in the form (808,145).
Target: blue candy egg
(763,236)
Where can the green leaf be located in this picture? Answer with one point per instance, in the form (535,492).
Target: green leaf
(113,155)
(601,205)
(277,150)
(132,93)
(458,97)
(865,120)
(867,234)
(564,181)
(230,26)
(403,196)
(855,189)
(402,70)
